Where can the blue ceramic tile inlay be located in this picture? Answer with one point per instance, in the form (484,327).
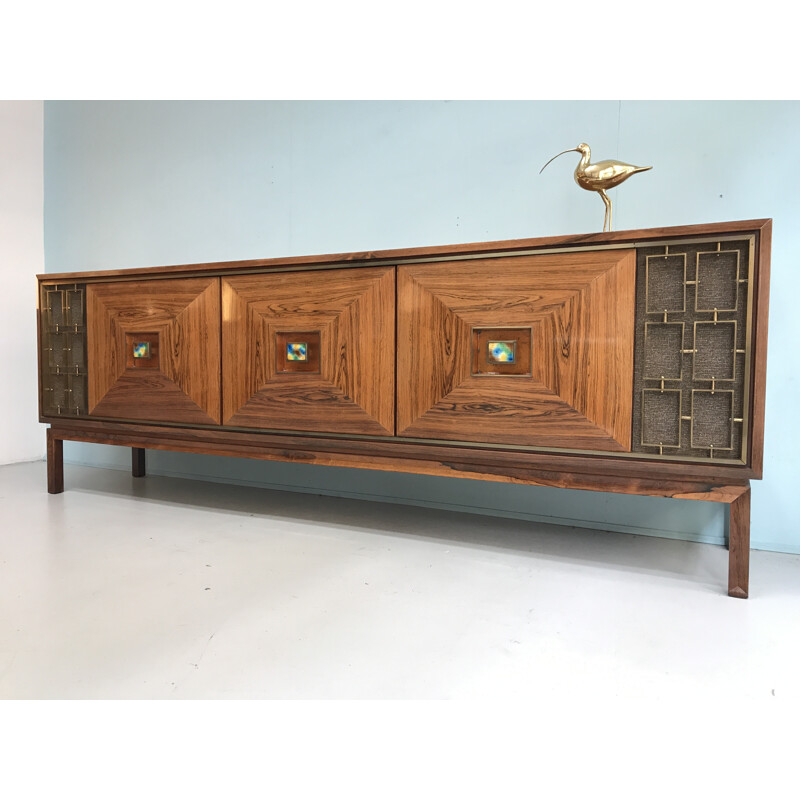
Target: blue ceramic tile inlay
(296,351)
(501,352)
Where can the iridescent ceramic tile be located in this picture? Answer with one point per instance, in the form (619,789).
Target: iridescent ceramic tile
(141,349)
(502,352)
(296,351)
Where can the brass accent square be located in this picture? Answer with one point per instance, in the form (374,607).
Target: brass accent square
(712,419)
(142,351)
(663,351)
(58,352)
(77,392)
(74,306)
(715,288)
(487,360)
(665,283)
(291,358)
(661,417)
(714,351)
(55,300)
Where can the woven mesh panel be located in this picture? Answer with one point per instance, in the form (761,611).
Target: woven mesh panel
(661,423)
(716,280)
(63,341)
(715,345)
(666,283)
(663,348)
(78,394)
(712,419)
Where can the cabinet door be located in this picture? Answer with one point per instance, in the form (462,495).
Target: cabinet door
(154,350)
(523,350)
(310,351)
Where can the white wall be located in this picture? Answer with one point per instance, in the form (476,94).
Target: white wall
(21,257)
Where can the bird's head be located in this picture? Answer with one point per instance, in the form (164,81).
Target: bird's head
(582,148)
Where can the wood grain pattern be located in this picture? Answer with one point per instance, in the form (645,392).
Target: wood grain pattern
(353,391)
(494,460)
(739,546)
(184,314)
(272,448)
(55,463)
(580,307)
(439,251)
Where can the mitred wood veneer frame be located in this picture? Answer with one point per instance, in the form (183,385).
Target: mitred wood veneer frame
(713,481)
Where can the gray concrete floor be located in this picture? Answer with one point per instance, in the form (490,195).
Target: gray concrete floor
(170,588)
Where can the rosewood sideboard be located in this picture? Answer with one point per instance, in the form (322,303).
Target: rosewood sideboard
(629,361)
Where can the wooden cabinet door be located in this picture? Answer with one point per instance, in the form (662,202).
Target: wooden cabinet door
(310,351)
(524,350)
(154,350)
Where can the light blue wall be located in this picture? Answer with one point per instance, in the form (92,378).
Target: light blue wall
(131,184)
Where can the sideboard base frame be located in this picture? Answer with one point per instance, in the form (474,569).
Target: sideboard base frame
(736,494)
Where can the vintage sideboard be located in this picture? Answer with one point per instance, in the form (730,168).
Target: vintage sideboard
(629,361)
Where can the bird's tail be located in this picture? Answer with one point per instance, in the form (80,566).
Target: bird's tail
(642,169)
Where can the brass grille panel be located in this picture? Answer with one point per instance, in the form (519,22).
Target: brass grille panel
(690,355)
(63,342)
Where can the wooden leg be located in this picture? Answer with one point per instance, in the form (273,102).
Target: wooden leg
(739,546)
(137,462)
(55,463)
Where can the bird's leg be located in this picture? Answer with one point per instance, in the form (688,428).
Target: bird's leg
(607,218)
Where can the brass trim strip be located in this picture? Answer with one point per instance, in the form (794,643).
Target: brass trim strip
(748,377)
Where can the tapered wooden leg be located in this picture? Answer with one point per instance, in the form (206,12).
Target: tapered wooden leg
(55,463)
(137,462)
(739,546)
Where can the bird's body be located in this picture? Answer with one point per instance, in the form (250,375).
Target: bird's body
(600,176)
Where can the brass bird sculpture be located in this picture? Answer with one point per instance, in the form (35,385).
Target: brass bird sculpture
(600,176)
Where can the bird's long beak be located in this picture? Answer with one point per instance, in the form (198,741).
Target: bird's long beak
(571,150)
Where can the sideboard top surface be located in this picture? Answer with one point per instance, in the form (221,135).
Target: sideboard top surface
(370,257)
